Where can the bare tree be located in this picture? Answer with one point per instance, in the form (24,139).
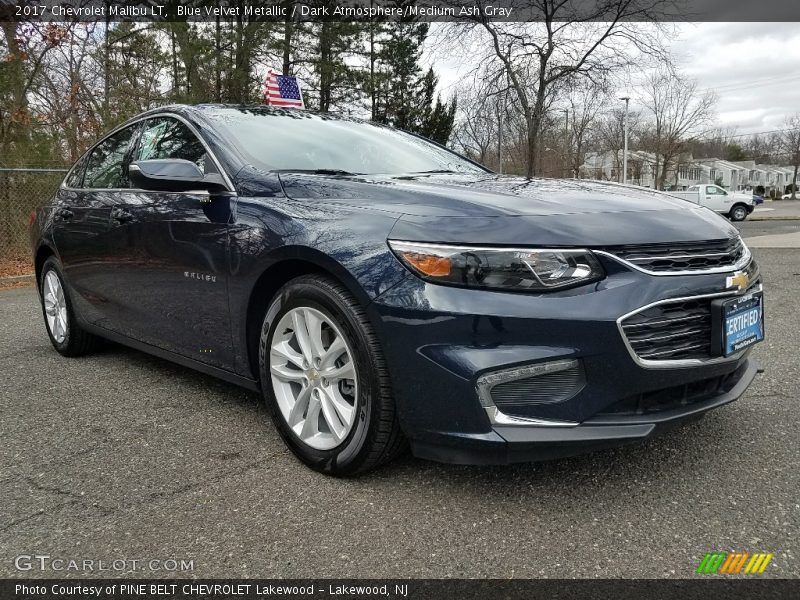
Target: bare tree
(791,144)
(67,92)
(476,130)
(761,147)
(584,103)
(569,40)
(611,136)
(678,112)
(23,53)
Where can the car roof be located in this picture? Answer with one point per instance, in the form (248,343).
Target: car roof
(219,109)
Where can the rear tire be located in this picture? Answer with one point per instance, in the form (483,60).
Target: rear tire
(66,335)
(327,388)
(738,213)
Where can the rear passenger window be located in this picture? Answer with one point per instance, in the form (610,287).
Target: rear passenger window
(165,137)
(106,166)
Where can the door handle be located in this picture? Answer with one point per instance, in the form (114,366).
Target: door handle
(64,214)
(121,215)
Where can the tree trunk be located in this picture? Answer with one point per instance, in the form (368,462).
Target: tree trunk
(16,82)
(238,69)
(325,67)
(288,27)
(176,86)
(106,65)
(217,68)
(372,64)
(534,122)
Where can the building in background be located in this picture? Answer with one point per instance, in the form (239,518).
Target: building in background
(732,175)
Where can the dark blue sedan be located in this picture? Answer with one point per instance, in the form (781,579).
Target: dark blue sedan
(382,291)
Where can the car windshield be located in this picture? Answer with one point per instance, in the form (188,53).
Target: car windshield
(294,140)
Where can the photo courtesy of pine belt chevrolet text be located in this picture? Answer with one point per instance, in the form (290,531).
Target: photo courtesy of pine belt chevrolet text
(384,293)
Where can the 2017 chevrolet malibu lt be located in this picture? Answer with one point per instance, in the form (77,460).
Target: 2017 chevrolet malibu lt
(382,291)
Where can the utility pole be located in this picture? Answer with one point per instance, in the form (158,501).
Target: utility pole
(500,136)
(566,142)
(625,149)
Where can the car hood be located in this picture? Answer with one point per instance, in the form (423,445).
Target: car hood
(491,208)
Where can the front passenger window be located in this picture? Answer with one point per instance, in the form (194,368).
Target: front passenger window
(106,167)
(165,137)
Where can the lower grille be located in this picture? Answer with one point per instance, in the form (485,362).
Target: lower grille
(671,331)
(511,392)
(677,396)
(548,388)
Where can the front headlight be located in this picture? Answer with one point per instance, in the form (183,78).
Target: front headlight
(511,269)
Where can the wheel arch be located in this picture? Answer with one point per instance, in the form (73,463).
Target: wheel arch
(289,264)
(42,254)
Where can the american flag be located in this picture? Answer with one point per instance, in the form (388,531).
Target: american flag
(283,90)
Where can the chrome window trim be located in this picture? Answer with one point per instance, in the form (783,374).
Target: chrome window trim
(683,362)
(192,128)
(487,381)
(739,265)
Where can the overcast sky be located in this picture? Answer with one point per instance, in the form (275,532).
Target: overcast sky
(753,67)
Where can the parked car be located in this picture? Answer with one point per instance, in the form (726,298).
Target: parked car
(382,291)
(735,206)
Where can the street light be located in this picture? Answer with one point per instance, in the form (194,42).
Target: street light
(566,142)
(625,150)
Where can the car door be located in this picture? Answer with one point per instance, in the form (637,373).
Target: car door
(82,223)
(716,199)
(173,254)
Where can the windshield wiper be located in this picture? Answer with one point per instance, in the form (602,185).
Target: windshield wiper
(434,172)
(317,171)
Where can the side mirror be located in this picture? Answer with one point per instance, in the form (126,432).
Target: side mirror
(171,175)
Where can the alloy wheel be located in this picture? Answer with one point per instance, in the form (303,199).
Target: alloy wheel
(313,377)
(55,306)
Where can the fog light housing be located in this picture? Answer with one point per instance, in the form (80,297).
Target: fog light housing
(509,390)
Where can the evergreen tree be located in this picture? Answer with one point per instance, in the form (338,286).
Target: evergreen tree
(406,98)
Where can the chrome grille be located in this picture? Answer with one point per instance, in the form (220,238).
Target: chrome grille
(671,331)
(682,256)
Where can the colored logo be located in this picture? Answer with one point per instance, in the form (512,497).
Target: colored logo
(739,280)
(734,563)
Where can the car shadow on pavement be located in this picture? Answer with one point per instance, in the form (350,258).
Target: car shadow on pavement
(680,456)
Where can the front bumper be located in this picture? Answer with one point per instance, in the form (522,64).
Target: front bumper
(511,443)
(439,341)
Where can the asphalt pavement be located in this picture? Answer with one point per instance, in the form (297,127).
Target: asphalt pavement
(125,456)
(777,209)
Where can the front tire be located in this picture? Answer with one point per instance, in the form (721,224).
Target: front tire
(66,334)
(738,213)
(324,379)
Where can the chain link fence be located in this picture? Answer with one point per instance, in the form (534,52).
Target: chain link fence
(21,191)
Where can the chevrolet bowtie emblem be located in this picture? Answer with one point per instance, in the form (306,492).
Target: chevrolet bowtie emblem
(739,280)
